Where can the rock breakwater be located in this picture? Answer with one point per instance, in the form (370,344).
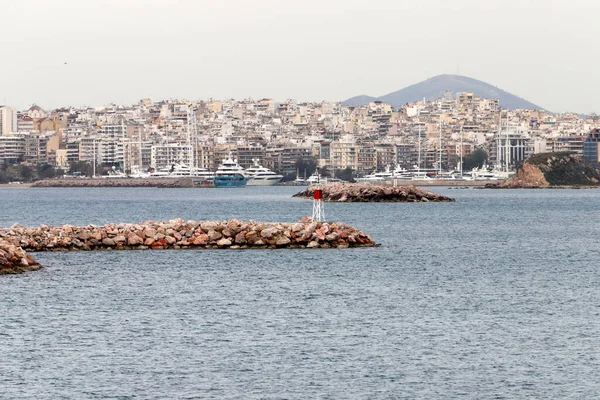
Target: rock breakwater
(180,234)
(368,192)
(117,182)
(14,260)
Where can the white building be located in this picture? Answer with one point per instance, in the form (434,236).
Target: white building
(12,149)
(8,120)
(167,154)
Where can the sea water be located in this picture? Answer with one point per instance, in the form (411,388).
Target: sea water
(494,296)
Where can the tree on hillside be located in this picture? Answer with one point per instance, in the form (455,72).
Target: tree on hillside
(346,174)
(306,166)
(475,159)
(46,171)
(82,168)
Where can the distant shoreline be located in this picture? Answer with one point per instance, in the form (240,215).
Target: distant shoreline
(15,185)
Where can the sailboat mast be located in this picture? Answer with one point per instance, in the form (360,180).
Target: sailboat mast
(507,151)
(189,139)
(461,151)
(419,155)
(440,145)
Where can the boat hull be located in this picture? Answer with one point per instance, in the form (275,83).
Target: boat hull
(230,181)
(263,182)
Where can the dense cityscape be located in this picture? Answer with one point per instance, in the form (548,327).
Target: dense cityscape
(291,138)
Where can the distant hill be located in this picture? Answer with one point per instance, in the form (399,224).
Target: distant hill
(434,88)
(361,100)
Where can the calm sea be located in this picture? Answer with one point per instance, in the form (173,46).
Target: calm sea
(494,296)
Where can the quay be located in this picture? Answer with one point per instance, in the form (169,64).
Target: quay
(191,182)
(443,182)
(173,234)
(119,182)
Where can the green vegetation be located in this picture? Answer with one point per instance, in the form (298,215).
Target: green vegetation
(476,159)
(26,173)
(565,169)
(346,174)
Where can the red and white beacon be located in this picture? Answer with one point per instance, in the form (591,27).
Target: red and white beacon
(318,205)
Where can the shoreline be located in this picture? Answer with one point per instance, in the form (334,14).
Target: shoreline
(190,183)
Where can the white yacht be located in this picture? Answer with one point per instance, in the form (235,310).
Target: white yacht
(230,174)
(316,178)
(181,171)
(261,176)
(485,174)
(386,175)
(136,173)
(115,173)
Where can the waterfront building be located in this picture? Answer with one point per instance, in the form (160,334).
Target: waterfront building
(591,146)
(510,146)
(35,148)
(344,154)
(572,144)
(12,149)
(166,154)
(289,157)
(247,153)
(385,156)
(112,149)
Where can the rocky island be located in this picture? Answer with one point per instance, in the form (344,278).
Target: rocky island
(370,192)
(546,170)
(174,234)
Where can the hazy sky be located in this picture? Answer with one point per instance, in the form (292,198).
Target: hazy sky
(546,51)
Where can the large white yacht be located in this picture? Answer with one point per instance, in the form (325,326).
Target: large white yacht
(181,171)
(261,176)
(230,174)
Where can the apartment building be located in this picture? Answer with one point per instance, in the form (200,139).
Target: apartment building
(12,149)
(8,120)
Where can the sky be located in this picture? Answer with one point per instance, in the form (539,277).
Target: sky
(58,53)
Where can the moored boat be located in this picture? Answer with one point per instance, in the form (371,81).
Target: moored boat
(261,176)
(230,174)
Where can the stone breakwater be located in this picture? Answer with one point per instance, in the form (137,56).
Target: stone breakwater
(14,260)
(368,192)
(117,182)
(178,234)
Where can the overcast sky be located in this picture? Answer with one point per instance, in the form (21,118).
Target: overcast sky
(546,51)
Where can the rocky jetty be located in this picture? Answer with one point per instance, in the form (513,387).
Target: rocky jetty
(368,192)
(563,169)
(180,234)
(14,260)
(117,182)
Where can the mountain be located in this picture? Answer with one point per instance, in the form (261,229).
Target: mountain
(359,100)
(434,88)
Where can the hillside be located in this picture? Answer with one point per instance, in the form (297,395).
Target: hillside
(554,169)
(435,87)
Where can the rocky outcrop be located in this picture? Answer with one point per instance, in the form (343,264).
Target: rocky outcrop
(116,182)
(14,260)
(180,234)
(544,170)
(529,176)
(368,192)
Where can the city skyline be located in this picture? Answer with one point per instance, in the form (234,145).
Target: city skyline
(62,52)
